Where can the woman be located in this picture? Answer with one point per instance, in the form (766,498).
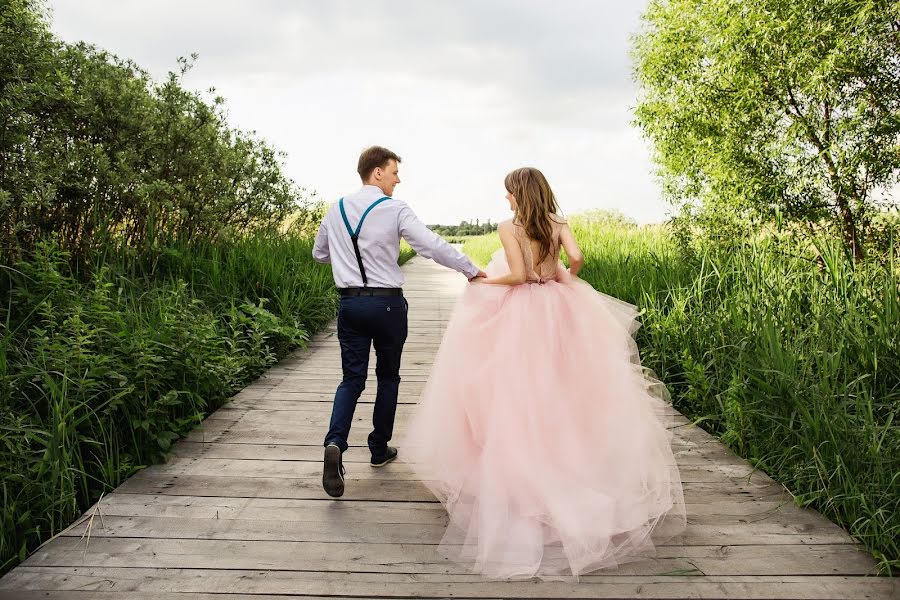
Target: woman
(537,429)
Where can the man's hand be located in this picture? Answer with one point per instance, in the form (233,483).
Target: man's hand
(477,275)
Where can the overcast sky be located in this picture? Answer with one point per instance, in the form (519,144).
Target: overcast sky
(463,90)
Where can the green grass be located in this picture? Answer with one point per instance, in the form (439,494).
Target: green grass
(794,367)
(479,248)
(406,252)
(100,372)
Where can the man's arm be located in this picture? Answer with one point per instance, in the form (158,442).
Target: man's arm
(320,250)
(430,245)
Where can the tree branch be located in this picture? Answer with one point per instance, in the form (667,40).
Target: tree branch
(837,186)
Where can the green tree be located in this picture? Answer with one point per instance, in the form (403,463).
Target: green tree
(92,150)
(774,106)
(27,88)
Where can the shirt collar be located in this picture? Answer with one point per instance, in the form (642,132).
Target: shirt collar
(374,189)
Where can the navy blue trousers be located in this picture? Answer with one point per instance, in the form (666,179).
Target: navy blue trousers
(362,322)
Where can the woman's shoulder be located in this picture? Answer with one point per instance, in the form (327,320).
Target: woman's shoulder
(511,227)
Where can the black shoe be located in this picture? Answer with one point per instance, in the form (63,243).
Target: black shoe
(333,473)
(383,459)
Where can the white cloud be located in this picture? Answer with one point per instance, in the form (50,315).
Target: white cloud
(463,90)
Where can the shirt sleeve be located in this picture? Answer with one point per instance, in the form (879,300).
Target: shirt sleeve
(320,250)
(430,245)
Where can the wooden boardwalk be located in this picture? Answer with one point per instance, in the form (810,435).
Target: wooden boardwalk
(239,511)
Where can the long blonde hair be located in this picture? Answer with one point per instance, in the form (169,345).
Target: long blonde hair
(535,205)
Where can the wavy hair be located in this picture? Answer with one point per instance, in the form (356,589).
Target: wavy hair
(535,205)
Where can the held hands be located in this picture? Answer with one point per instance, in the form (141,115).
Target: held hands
(478,277)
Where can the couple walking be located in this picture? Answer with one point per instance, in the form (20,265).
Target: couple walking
(538,430)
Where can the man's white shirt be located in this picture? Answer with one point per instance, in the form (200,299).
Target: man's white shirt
(379,241)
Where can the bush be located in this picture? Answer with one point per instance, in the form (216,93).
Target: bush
(91,150)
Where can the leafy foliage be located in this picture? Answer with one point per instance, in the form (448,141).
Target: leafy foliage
(774,108)
(91,150)
(465,228)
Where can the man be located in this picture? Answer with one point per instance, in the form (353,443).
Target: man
(360,237)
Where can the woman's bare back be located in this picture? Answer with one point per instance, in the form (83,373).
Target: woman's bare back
(531,249)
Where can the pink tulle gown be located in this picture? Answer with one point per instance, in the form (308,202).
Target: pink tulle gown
(540,432)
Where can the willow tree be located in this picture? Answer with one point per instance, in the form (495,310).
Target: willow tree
(774,106)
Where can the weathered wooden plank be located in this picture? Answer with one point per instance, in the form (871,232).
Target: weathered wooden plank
(321,407)
(684,454)
(330,386)
(830,559)
(366,489)
(296,398)
(397,585)
(327,374)
(290,430)
(400,471)
(285,424)
(788,516)
(319,411)
(373,511)
(276,399)
(352,527)
(239,432)
(689,458)
(426,342)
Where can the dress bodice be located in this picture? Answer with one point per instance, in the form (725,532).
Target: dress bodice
(546,270)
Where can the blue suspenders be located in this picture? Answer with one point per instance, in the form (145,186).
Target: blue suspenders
(354,234)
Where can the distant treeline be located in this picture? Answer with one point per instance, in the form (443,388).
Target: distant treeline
(465,228)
